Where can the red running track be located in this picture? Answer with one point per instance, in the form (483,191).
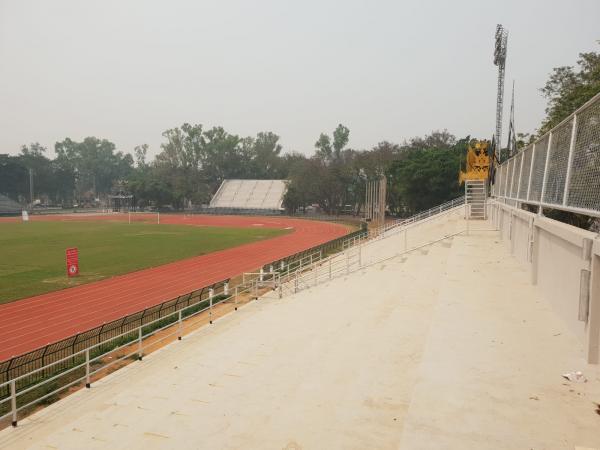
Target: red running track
(34,322)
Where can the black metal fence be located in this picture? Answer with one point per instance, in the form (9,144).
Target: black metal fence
(61,350)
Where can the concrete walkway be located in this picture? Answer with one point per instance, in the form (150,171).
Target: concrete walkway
(490,376)
(446,348)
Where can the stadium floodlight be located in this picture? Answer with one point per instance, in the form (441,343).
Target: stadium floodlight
(500,45)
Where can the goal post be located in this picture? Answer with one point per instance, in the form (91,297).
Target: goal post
(143,217)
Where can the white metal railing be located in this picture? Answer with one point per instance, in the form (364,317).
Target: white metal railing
(283,268)
(310,270)
(561,170)
(349,261)
(136,340)
(423,215)
(137,337)
(331,268)
(400,224)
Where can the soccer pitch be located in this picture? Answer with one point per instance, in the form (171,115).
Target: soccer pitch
(32,255)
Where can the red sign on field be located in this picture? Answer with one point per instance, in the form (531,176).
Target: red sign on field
(72,262)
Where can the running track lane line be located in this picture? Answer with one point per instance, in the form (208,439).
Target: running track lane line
(34,322)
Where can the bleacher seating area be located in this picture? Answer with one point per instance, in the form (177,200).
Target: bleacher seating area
(9,207)
(250,195)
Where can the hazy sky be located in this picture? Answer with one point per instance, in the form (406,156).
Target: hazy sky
(128,70)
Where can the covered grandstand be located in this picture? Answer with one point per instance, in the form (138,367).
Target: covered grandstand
(249,197)
(9,207)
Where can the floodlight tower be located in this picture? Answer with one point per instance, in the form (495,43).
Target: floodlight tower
(500,61)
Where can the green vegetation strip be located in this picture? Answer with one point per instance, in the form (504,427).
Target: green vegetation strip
(33,254)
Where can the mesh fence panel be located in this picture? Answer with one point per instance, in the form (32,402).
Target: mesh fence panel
(525,172)
(539,162)
(542,169)
(584,186)
(514,190)
(557,164)
(507,179)
(512,175)
(498,181)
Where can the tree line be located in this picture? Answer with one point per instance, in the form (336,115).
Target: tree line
(193,162)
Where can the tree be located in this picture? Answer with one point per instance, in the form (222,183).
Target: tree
(323,146)
(33,158)
(265,155)
(437,139)
(34,150)
(423,179)
(14,178)
(222,156)
(567,88)
(140,152)
(341,136)
(328,151)
(95,164)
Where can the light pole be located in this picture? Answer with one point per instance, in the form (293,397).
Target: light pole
(31,186)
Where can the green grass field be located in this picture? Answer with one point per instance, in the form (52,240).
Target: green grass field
(32,255)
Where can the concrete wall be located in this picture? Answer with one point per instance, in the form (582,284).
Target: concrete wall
(556,254)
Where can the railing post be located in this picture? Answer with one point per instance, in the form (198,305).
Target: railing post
(140,342)
(545,179)
(282,265)
(506,183)
(570,160)
(179,326)
(280,288)
(520,175)
(13,402)
(468,220)
(87,368)
(226,288)
(235,298)
(262,274)
(210,303)
(530,170)
(271,268)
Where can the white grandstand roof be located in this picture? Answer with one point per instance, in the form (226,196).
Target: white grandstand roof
(250,194)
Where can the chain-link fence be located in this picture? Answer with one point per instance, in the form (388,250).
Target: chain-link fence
(561,170)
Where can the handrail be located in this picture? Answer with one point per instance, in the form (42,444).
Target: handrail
(174,319)
(348,266)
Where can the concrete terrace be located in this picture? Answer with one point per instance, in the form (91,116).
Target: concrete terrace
(447,347)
